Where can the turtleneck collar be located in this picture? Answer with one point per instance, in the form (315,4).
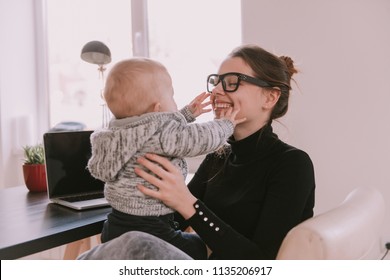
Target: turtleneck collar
(253,145)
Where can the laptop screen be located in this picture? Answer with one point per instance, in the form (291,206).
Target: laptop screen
(67,155)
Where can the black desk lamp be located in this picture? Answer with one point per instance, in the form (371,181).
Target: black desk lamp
(98,53)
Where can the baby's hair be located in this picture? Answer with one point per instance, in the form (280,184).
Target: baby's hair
(130,85)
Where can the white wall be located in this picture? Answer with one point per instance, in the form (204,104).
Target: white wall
(340,112)
(18,87)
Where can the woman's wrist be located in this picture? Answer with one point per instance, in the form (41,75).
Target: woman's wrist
(187,209)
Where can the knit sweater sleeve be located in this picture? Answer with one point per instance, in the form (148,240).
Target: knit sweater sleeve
(185,111)
(195,139)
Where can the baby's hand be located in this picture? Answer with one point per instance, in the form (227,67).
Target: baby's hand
(197,106)
(229,114)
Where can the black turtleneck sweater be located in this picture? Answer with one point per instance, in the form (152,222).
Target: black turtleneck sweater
(251,195)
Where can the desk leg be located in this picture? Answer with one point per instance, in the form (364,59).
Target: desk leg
(74,249)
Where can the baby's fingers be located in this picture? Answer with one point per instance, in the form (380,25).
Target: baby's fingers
(226,114)
(206,104)
(201,97)
(236,122)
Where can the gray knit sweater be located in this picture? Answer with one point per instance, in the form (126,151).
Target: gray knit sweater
(116,148)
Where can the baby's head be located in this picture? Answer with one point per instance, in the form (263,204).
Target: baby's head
(139,85)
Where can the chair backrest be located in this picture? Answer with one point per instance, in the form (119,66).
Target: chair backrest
(350,231)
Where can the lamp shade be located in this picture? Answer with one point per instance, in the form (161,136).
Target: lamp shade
(96,52)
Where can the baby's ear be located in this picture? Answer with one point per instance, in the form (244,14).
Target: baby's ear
(156,107)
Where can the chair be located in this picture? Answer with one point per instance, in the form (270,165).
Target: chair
(350,231)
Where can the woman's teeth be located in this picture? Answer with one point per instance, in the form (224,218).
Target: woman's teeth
(222,105)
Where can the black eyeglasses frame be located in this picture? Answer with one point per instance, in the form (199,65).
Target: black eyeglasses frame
(241,77)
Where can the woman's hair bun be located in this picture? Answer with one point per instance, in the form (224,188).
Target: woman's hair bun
(290,65)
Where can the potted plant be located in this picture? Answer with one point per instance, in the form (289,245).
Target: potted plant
(34,170)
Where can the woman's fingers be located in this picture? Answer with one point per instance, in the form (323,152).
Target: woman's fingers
(149,192)
(169,181)
(148,177)
(164,162)
(150,165)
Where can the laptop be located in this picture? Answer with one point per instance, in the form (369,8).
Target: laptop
(69,182)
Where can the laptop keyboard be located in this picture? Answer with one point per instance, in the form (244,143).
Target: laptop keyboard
(84,197)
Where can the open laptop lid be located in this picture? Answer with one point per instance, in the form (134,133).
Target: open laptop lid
(67,154)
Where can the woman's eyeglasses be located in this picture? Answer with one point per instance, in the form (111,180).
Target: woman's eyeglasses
(231,81)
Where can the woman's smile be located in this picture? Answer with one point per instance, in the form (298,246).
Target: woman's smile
(222,105)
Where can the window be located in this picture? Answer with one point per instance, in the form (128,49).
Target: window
(189,37)
(74,85)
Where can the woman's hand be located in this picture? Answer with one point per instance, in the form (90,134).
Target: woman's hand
(171,188)
(197,106)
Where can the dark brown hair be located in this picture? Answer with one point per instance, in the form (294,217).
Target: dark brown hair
(277,71)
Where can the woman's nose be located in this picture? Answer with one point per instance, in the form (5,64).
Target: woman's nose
(218,90)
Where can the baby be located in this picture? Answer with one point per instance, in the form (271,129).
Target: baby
(139,94)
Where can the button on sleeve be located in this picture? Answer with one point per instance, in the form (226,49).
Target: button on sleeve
(205,218)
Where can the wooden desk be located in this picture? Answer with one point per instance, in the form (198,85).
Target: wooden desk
(30,224)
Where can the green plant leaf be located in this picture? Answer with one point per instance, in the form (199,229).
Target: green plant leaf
(34,154)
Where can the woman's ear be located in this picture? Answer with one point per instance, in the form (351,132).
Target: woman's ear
(271,98)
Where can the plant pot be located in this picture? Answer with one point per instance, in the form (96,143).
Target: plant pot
(35,177)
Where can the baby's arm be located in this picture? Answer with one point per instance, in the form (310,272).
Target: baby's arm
(196,107)
(199,138)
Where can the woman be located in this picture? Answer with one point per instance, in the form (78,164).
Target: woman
(245,197)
